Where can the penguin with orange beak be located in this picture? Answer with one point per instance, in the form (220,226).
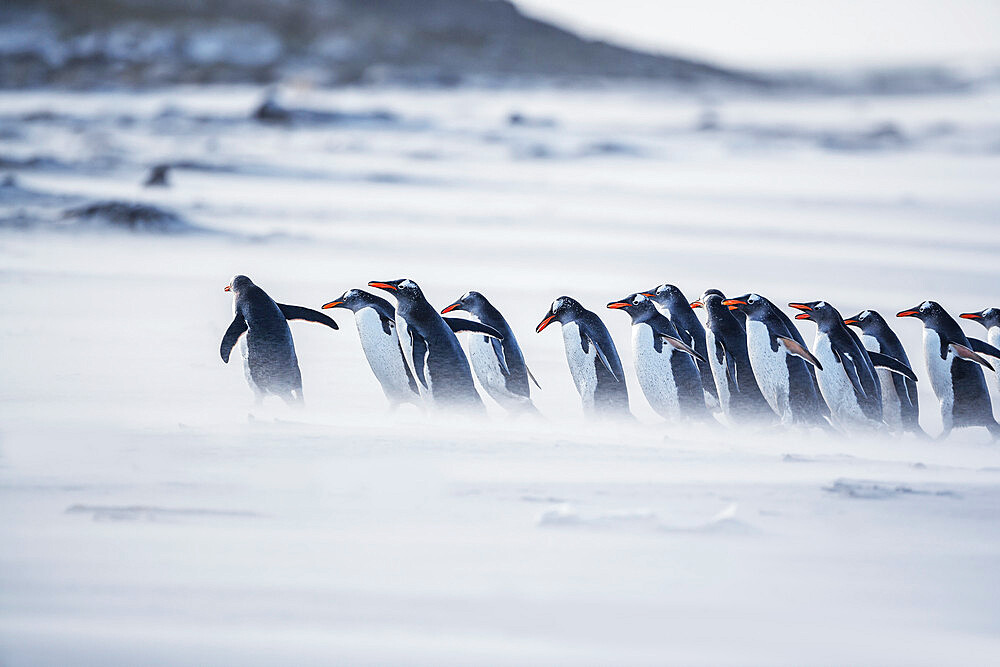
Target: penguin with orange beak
(498,364)
(592,357)
(847,377)
(990,318)
(955,365)
(779,363)
(664,364)
(900,408)
(432,350)
(268,352)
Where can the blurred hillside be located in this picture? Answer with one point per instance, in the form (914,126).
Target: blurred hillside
(96,43)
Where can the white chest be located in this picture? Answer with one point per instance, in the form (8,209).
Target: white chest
(654,372)
(382,351)
(834,383)
(581,364)
(939,371)
(993,338)
(891,408)
(769,368)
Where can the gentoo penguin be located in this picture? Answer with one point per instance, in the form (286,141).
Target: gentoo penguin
(664,364)
(499,365)
(726,340)
(376,321)
(989,318)
(269,360)
(847,377)
(900,409)
(779,363)
(432,351)
(955,369)
(690,330)
(592,357)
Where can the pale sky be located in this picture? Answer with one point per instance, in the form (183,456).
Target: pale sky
(789,33)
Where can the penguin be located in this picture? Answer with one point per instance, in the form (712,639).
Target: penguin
(690,330)
(847,380)
(431,348)
(900,408)
(665,365)
(592,357)
(376,321)
(955,366)
(269,360)
(990,318)
(499,365)
(780,363)
(726,340)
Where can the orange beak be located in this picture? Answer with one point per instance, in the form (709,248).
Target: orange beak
(647,293)
(544,323)
(734,304)
(803,316)
(697,304)
(971,316)
(906,313)
(381,285)
(618,304)
(799,306)
(850,321)
(332,304)
(451,307)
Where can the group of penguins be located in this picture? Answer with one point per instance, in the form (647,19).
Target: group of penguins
(748,360)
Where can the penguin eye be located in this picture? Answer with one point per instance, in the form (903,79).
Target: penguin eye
(409,284)
(637,300)
(752,298)
(557,304)
(821,304)
(925,305)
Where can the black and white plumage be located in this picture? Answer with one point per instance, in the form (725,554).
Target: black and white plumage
(268,352)
(664,364)
(376,323)
(498,364)
(726,340)
(900,408)
(990,318)
(432,350)
(955,365)
(592,357)
(847,379)
(779,363)
(690,330)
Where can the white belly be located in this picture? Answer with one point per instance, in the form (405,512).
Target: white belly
(403,333)
(993,338)
(939,371)
(656,376)
(581,365)
(769,368)
(836,386)
(487,368)
(382,352)
(718,372)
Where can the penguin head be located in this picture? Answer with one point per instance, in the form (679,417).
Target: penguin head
(820,312)
(471,302)
(666,295)
(403,289)
(929,312)
(752,305)
(238,285)
(564,309)
(989,317)
(711,301)
(866,320)
(352,299)
(637,305)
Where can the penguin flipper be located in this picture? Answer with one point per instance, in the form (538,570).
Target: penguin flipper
(885,361)
(307,314)
(984,348)
(460,324)
(795,348)
(419,355)
(498,350)
(851,369)
(678,344)
(723,355)
(586,341)
(532,375)
(963,352)
(232,335)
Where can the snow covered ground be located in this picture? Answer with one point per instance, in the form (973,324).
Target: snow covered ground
(144,519)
